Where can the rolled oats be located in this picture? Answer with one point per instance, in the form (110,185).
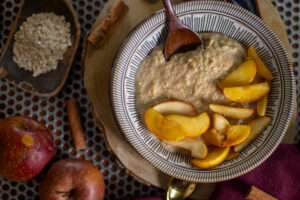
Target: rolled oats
(41,42)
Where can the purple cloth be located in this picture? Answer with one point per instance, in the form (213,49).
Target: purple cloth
(142,198)
(278,176)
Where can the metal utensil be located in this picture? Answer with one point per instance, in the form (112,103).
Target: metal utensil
(179,190)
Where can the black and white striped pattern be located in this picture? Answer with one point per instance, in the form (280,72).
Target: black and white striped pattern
(209,16)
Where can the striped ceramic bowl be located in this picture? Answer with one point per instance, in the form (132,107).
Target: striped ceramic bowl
(210,16)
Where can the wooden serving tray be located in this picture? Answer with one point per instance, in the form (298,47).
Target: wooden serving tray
(50,83)
(97,64)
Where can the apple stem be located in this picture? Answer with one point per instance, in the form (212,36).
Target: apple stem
(67,195)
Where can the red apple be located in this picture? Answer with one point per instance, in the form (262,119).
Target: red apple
(72,179)
(26,146)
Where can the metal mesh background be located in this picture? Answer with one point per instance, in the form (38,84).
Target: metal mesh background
(52,112)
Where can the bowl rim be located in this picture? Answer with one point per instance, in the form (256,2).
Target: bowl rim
(290,95)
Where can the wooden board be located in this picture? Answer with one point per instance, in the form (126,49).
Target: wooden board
(97,66)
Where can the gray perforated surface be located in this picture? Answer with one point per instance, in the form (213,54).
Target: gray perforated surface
(52,110)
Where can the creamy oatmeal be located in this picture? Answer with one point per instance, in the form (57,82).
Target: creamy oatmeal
(190,77)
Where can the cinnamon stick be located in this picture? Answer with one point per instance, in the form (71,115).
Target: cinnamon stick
(105,29)
(257,194)
(75,124)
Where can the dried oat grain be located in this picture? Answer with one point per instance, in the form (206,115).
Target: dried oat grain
(41,42)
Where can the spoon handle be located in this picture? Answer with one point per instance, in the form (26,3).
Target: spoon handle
(174,22)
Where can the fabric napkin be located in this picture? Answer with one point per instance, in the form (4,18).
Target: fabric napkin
(278,176)
(142,198)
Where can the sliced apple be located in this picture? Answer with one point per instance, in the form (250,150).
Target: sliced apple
(262,69)
(236,134)
(247,94)
(220,123)
(215,156)
(192,126)
(163,128)
(232,112)
(175,108)
(213,137)
(232,155)
(257,127)
(196,146)
(244,74)
(262,106)
(216,135)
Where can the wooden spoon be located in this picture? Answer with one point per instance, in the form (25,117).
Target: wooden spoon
(180,38)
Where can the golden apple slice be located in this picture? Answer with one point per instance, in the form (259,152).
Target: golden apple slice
(213,137)
(192,126)
(262,106)
(247,94)
(220,123)
(163,128)
(257,127)
(262,69)
(236,134)
(196,146)
(215,156)
(175,108)
(232,112)
(232,155)
(216,135)
(242,75)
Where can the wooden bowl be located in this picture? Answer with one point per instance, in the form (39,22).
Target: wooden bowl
(208,16)
(50,83)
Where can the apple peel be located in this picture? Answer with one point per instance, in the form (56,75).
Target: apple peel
(257,127)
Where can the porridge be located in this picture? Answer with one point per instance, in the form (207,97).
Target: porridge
(203,101)
(191,77)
